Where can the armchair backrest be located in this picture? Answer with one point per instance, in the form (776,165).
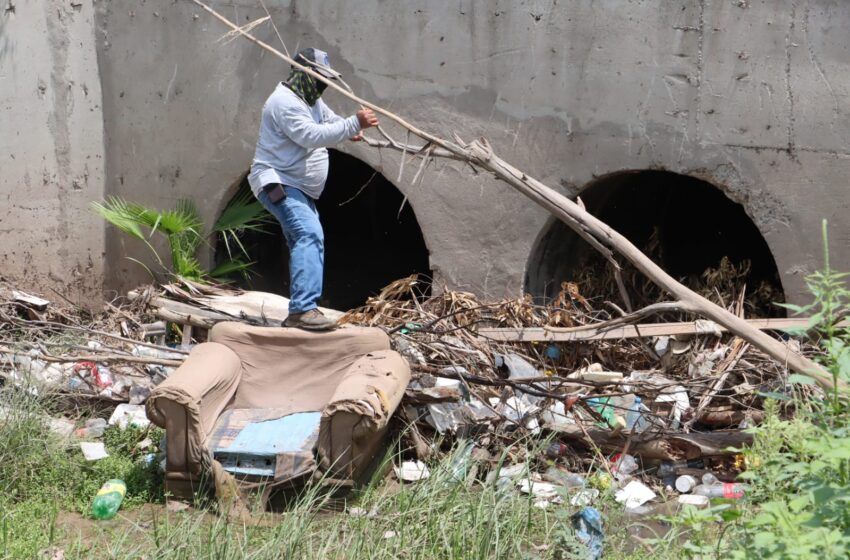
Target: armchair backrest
(293,369)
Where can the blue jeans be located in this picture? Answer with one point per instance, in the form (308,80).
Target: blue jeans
(299,219)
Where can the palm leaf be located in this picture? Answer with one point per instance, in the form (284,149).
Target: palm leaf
(230,266)
(128,217)
(243,213)
(117,212)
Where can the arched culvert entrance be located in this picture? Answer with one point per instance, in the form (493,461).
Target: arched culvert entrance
(371,238)
(684,224)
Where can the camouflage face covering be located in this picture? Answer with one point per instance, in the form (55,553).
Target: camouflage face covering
(304,87)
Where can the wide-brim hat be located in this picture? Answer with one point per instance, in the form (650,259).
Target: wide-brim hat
(318,61)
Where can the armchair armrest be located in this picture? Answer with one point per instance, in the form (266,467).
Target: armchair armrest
(354,421)
(188,403)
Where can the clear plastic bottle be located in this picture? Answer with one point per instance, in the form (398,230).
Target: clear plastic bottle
(635,419)
(728,490)
(109,499)
(563,477)
(626,464)
(668,468)
(710,479)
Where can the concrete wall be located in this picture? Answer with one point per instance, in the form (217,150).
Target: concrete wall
(749,95)
(51,148)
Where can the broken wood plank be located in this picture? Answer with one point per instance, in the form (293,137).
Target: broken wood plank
(30,300)
(258,308)
(187,335)
(183,313)
(549,334)
(432,395)
(97,358)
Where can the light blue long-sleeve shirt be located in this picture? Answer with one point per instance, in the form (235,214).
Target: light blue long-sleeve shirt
(292,141)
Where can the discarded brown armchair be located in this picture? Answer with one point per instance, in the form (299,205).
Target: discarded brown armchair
(278,404)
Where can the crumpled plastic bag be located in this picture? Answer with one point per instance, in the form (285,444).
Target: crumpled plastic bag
(587,524)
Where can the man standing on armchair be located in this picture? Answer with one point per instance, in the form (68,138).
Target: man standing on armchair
(289,172)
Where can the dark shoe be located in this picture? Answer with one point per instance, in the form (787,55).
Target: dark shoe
(312,320)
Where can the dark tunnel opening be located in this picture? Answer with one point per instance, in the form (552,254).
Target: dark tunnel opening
(372,237)
(686,225)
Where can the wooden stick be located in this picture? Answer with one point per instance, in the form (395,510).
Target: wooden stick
(606,331)
(97,358)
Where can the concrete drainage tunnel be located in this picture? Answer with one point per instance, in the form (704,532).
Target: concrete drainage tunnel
(372,238)
(687,226)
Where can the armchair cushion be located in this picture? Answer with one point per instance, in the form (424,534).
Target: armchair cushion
(291,368)
(266,443)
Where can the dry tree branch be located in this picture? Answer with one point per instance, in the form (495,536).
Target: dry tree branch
(230,35)
(480,153)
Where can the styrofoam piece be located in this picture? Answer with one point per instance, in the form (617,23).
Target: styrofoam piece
(126,414)
(93,450)
(694,500)
(635,494)
(412,471)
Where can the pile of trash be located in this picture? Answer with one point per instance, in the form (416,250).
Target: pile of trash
(644,417)
(639,414)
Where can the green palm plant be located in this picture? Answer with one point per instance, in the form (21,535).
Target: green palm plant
(183,229)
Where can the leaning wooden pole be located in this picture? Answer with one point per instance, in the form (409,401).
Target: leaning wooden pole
(586,225)
(574,216)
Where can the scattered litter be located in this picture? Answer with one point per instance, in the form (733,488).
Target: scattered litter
(539,489)
(390,534)
(412,471)
(93,428)
(127,414)
(635,494)
(139,394)
(362,512)
(567,479)
(727,490)
(685,483)
(176,506)
(693,500)
(60,426)
(587,525)
(468,385)
(93,450)
(584,497)
(32,301)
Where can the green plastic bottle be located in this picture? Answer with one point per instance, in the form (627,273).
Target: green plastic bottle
(109,499)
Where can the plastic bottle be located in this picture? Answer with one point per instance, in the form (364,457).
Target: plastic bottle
(624,466)
(667,469)
(511,366)
(94,428)
(109,499)
(564,478)
(635,420)
(557,449)
(728,490)
(710,479)
(602,406)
